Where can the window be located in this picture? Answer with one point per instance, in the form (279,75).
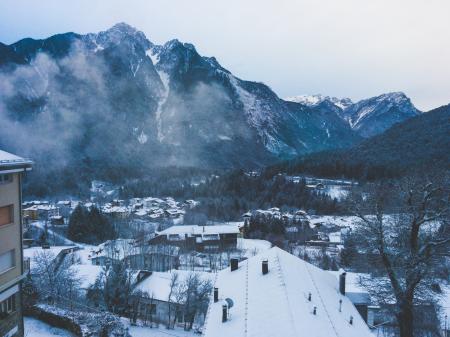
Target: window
(7,260)
(6,178)
(211,237)
(6,215)
(151,309)
(148,309)
(8,305)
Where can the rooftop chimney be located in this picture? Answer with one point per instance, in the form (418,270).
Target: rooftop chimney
(224,313)
(265,267)
(234,264)
(342,283)
(216,295)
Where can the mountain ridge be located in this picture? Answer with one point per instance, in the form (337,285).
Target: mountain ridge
(113,101)
(383,110)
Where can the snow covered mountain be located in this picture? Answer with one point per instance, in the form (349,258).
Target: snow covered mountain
(367,117)
(117,92)
(374,115)
(116,102)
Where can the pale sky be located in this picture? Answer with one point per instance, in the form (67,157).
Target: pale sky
(343,48)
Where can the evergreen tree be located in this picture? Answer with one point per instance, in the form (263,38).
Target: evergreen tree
(89,226)
(77,230)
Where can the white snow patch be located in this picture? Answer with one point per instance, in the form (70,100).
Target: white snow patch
(342,221)
(36,328)
(143,331)
(165,93)
(336,192)
(153,56)
(142,138)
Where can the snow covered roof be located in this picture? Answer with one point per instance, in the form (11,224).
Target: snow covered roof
(335,237)
(115,249)
(199,230)
(157,285)
(33,252)
(276,304)
(87,273)
(119,249)
(41,208)
(9,160)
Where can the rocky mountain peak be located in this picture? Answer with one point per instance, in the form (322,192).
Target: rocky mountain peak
(118,34)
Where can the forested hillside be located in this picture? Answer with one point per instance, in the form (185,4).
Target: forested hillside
(420,144)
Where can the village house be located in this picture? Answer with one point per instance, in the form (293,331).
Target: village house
(43,211)
(116,212)
(154,292)
(156,257)
(278,294)
(65,208)
(200,238)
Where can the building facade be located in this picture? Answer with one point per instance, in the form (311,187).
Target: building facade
(199,238)
(12,266)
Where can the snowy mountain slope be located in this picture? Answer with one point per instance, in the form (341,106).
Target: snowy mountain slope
(375,115)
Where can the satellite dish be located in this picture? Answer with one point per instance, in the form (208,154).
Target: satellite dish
(230,302)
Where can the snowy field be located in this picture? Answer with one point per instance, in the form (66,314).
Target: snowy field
(36,328)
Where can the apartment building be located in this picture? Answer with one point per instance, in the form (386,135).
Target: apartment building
(12,266)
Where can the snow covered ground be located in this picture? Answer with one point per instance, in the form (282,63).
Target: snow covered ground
(329,220)
(338,192)
(36,328)
(139,331)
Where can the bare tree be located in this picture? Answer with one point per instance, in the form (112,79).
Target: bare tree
(55,281)
(196,294)
(171,300)
(404,226)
